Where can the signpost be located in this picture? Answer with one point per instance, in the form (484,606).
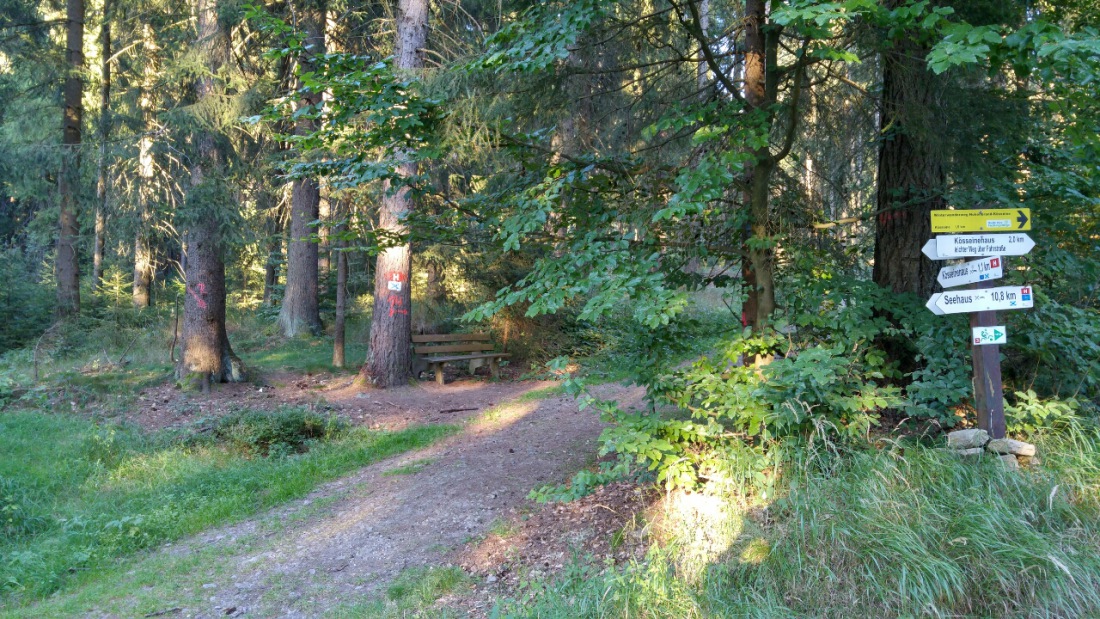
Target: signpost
(984,220)
(983,299)
(971,272)
(974,245)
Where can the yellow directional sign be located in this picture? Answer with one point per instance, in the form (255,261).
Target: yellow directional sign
(984,220)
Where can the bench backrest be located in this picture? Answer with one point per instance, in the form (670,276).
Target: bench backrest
(451,342)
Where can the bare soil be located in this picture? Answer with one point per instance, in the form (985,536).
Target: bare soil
(459,502)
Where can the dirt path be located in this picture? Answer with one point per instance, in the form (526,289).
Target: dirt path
(377,524)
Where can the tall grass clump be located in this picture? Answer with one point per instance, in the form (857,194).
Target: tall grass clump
(907,531)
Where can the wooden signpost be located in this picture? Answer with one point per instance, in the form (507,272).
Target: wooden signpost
(982,300)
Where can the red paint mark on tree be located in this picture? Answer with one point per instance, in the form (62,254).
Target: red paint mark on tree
(201,290)
(397,306)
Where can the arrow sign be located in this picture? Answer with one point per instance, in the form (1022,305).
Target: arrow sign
(931,249)
(989,335)
(970,272)
(986,299)
(984,220)
(974,245)
(931,305)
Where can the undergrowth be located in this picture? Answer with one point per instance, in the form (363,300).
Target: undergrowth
(904,531)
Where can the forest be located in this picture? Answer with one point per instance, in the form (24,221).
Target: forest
(695,240)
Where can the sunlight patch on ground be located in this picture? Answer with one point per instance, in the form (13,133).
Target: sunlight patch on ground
(701,527)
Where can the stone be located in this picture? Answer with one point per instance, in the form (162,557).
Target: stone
(1009,446)
(973,451)
(967,439)
(1010,462)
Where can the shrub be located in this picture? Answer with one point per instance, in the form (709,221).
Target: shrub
(279,433)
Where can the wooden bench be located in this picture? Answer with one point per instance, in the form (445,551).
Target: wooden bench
(434,351)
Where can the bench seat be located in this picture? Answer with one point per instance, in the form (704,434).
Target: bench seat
(427,351)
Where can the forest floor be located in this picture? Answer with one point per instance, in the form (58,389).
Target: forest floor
(460,503)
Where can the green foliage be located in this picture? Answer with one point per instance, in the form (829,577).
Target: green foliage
(285,431)
(582,484)
(26,304)
(899,532)
(1031,415)
(542,37)
(1056,349)
(77,496)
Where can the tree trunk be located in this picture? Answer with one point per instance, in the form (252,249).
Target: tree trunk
(104,135)
(300,313)
(143,253)
(67,268)
(341,304)
(757,268)
(436,290)
(206,355)
(271,269)
(911,178)
(388,359)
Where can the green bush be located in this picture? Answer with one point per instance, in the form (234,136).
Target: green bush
(282,432)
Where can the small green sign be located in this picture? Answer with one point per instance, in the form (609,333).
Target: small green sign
(989,335)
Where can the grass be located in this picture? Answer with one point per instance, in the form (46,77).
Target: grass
(892,533)
(412,594)
(411,468)
(77,496)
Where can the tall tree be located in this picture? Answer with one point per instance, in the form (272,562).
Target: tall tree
(104,135)
(206,354)
(299,312)
(66,266)
(911,174)
(388,358)
(143,251)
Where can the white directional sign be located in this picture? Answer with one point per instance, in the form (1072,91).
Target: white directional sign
(932,307)
(985,300)
(974,245)
(971,272)
(989,335)
(931,249)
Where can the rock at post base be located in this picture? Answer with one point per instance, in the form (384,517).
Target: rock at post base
(1010,462)
(969,453)
(1009,446)
(967,439)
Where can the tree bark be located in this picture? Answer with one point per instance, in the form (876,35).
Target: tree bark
(757,269)
(206,354)
(143,253)
(338,359)
(66,267)
(104,135)
(388,358)
(300,312)
(436,290)
(911,178)
(274,228)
